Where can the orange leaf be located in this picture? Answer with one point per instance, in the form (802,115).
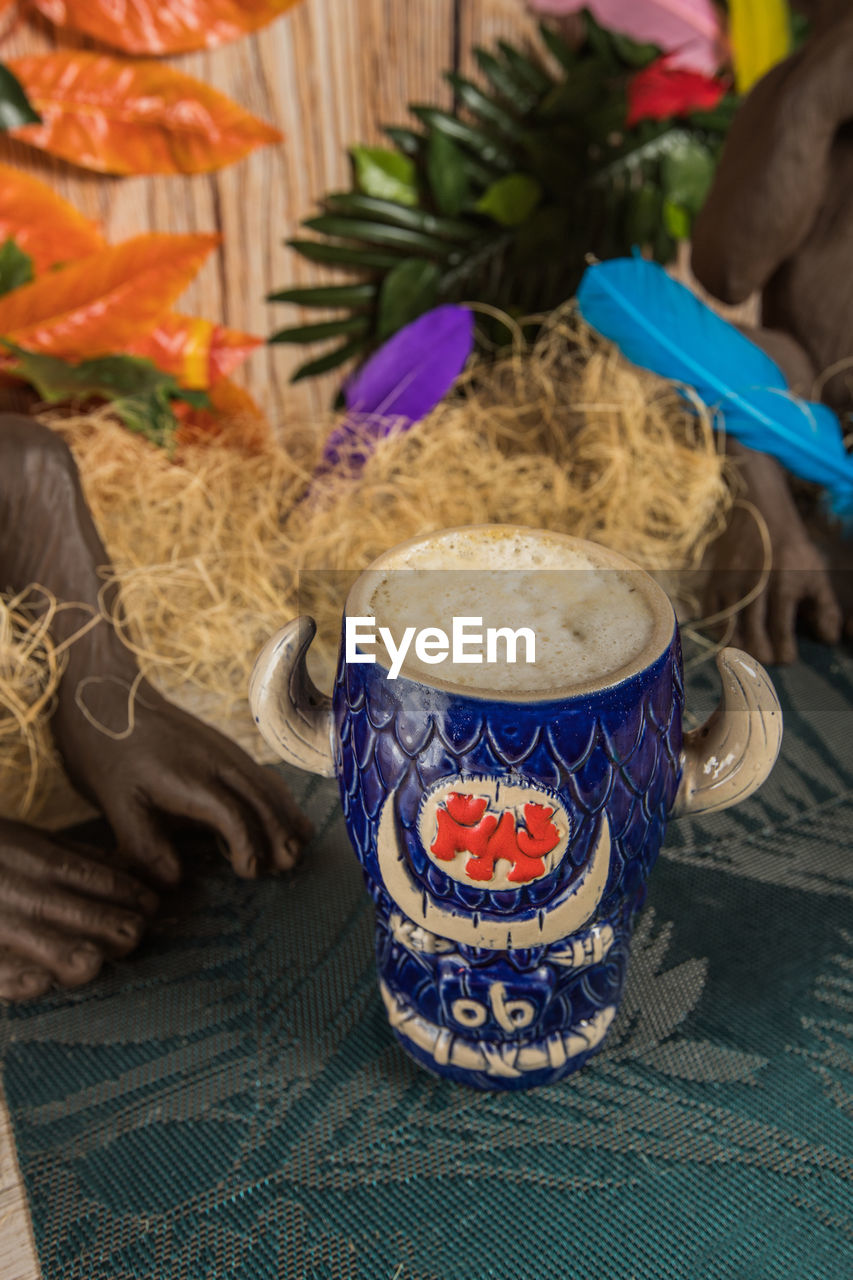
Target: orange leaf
(150,26)
(99,304)
(119,116)
(41,223)
(233,416)
(198,352)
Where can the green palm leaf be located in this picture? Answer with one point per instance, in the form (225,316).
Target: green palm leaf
(332,360)
(405,140)
(317,332)
(484,107)
(334,295)
(503,82)
(526,73)
(479,142)
(502,199)
(381,233)
(343,255)
(358,205)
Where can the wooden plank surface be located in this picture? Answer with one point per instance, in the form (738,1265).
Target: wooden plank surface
(482,22)
(329,74)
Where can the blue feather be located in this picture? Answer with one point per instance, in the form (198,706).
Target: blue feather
(661,325)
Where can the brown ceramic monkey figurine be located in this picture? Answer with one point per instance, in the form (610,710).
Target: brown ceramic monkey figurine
(63,909)
(779,218)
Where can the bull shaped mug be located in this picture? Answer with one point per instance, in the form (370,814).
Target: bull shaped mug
(506,836)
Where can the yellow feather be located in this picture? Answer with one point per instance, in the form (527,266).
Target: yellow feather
(760,36)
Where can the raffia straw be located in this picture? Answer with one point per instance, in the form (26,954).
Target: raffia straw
(696,632)
(209,548)
(117,735)
(826,377)
(31,667)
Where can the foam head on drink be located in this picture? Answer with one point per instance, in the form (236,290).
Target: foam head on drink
(594,616)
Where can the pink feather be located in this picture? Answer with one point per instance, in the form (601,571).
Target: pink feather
(690,30)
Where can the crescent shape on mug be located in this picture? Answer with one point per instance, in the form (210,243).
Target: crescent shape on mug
(292,715)
(729,757)
(496,933)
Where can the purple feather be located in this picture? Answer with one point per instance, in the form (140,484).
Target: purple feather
(405,379)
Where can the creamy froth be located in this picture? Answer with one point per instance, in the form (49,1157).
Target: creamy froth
(591,613)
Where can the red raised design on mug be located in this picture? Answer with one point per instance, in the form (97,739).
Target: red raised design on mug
(465,826)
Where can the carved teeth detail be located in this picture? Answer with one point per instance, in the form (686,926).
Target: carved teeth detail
(501,1059)
(557,1056)
(494,1059)
(416,938)
(575,953)
(585,949)
(442,1046)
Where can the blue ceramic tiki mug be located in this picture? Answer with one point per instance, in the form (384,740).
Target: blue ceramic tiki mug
(506,825)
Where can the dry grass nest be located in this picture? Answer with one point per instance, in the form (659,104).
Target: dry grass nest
(211,547)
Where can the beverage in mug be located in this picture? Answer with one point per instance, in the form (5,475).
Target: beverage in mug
(589,616)
(506,730)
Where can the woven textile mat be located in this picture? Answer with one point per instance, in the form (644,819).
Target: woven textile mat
(230,1104)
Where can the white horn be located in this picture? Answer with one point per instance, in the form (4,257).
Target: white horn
(733,752)
(291,713)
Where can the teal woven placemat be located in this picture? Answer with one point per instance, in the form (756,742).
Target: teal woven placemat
(230,1104)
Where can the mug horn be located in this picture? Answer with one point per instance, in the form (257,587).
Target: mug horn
(292,715)
(730,756)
